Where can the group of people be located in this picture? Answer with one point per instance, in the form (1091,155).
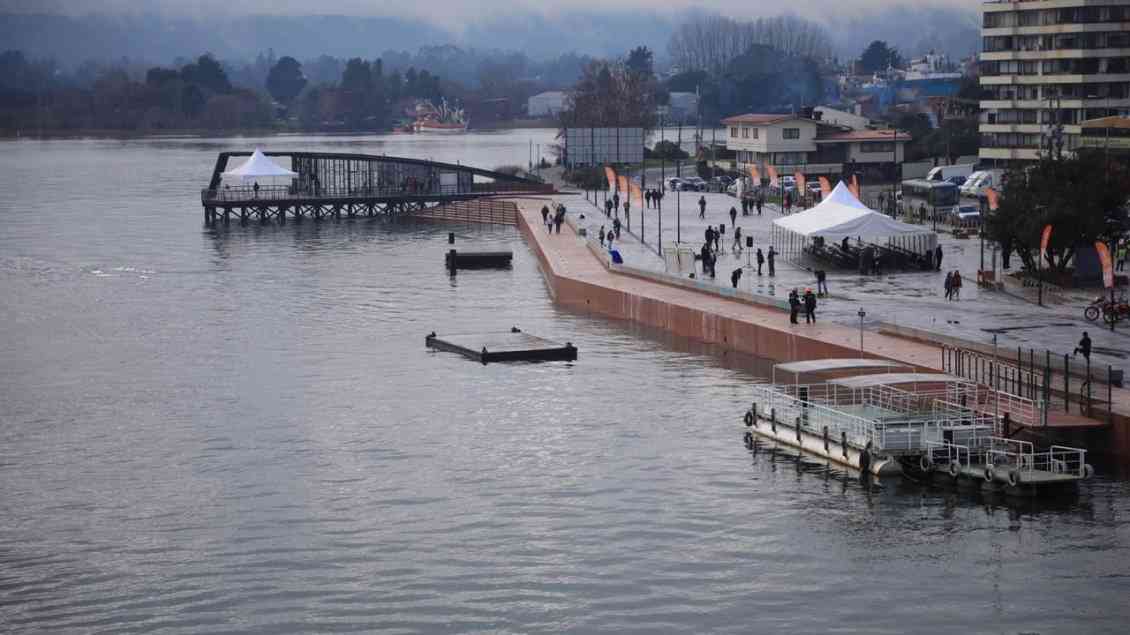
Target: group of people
(553,220)
(653,198)
(808,301)
(611,234)
(750,203)
(953,285)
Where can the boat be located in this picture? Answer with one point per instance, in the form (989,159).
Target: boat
(928,426)
(442,119)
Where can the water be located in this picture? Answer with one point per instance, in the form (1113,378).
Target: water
(241,430)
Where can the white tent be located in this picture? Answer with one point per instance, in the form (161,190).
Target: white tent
(842,215)
(257,167)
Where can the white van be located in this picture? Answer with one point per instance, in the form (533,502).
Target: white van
(980,181)
(946,172)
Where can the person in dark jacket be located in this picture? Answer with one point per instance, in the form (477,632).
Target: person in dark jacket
(733,216)
(735,277)
(760,202)
(616,227)
(709,234)
(794,306)
(771,258)
(821,282)
(628,213)
(544,214)
(616,202)
(647,198)
(1084,347)
(745,207)
(938,257)
(608,207)
(760,260)
(702,207)
(809,307)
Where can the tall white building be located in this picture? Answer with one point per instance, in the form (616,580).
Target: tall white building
(1048,66)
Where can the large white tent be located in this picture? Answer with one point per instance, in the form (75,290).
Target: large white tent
(842,215)
(256,167)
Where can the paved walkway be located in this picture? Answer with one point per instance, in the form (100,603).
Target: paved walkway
(977,316)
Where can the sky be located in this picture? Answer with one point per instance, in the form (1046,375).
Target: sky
(454,13)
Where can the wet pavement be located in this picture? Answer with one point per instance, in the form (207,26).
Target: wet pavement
(912,299)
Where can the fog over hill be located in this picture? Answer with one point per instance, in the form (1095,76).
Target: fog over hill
(71,37)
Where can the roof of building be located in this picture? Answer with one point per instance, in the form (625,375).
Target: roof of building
(759,119)
(864,135)
(1107,122)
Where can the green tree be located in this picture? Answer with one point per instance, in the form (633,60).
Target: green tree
(1083,198)
(641,61)
(285,80)
(207,73)
(356,92)
(878,56)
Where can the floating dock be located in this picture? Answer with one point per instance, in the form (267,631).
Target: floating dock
(508,346)
(456,260)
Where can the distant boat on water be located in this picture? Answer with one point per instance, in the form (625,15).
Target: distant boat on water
(443,119)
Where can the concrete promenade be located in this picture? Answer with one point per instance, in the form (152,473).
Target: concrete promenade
(578,278)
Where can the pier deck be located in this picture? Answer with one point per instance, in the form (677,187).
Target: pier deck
(508,346)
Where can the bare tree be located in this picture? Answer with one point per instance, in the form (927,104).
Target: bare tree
(710,42)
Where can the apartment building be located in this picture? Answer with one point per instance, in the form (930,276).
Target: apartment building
(1048,66)
(806,144)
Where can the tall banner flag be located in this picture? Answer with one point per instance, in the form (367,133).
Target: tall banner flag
(1046,238)
(855,186)
(755,175)
(800,183)
(611,174)
(637,194)
(624,185)
(1107,263)
(773,181)
(994,199)
(825,186)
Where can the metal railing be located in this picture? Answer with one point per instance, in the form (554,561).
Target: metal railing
(269,193)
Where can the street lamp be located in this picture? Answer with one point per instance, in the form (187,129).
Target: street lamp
(862,314)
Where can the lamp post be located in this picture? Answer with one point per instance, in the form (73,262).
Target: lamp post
(862,314)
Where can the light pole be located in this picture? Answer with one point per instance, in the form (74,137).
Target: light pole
(862,314)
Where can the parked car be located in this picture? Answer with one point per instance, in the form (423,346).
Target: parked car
(788,182)
(675,184)
(813,187)
(957,180)
(695,183)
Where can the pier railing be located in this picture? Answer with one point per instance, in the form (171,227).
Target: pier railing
(288,193)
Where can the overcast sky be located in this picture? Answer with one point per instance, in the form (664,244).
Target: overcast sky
(452,13)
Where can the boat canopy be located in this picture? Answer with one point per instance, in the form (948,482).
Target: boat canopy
(893,379)
(258,166)
(825,365)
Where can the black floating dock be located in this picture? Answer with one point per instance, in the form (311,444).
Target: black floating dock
(509,346)
(478,259)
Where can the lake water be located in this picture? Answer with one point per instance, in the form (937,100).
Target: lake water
(240,430)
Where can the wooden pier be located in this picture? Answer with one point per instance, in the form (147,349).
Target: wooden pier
(508,346)
(456,260)
(332,185)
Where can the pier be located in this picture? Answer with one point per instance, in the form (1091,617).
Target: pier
(509,346)
(336,185)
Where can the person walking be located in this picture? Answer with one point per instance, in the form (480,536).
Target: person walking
(659,200)
(647,198)
(733,216)
(718,237)
(737,247)
(794,306)
(702,207)
(771,258)
(821,282)
(760,202)
(616,202)
(559,218)
(745,206)
(956,285)
(760,260)
(1084,347)
(735,276)
(608,207)
(544,214)
(616,227)
(709,234)
(938,257)
(601,234)
(949,285)
(809,307)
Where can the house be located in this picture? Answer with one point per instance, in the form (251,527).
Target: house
(807,144)
(842,118)
(547,104)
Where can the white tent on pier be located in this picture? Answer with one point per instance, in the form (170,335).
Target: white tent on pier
(258,166)
(841,215)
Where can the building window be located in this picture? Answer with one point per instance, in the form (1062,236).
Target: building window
(733,132)
(877,146)
(791,133)
(745,132)
(755,134)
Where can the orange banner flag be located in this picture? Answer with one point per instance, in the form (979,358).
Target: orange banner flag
(623,184)
(994,199)
(800,183)
(772,176)
(637,193)
(854,187)
(611,174)
(1108,264)
(755,175)
(825,186)
(1045,238)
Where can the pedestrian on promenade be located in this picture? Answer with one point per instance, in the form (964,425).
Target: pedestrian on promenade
(737,248)
(771,258)
(733,216)
(1084,347)
(707,258)
(956,285)
(760,202)
(760,260)
(608,207)
(628,213)
(702,207)
(544,214)
(709,234)
(601,234)
(735,276)
(809,307)
(616,202)
(559,218)
(718,237)
(616,227)
(794,306)
(659,200)
(949,285)
(821,282)
(938,257)
(745,206)
(256,188)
